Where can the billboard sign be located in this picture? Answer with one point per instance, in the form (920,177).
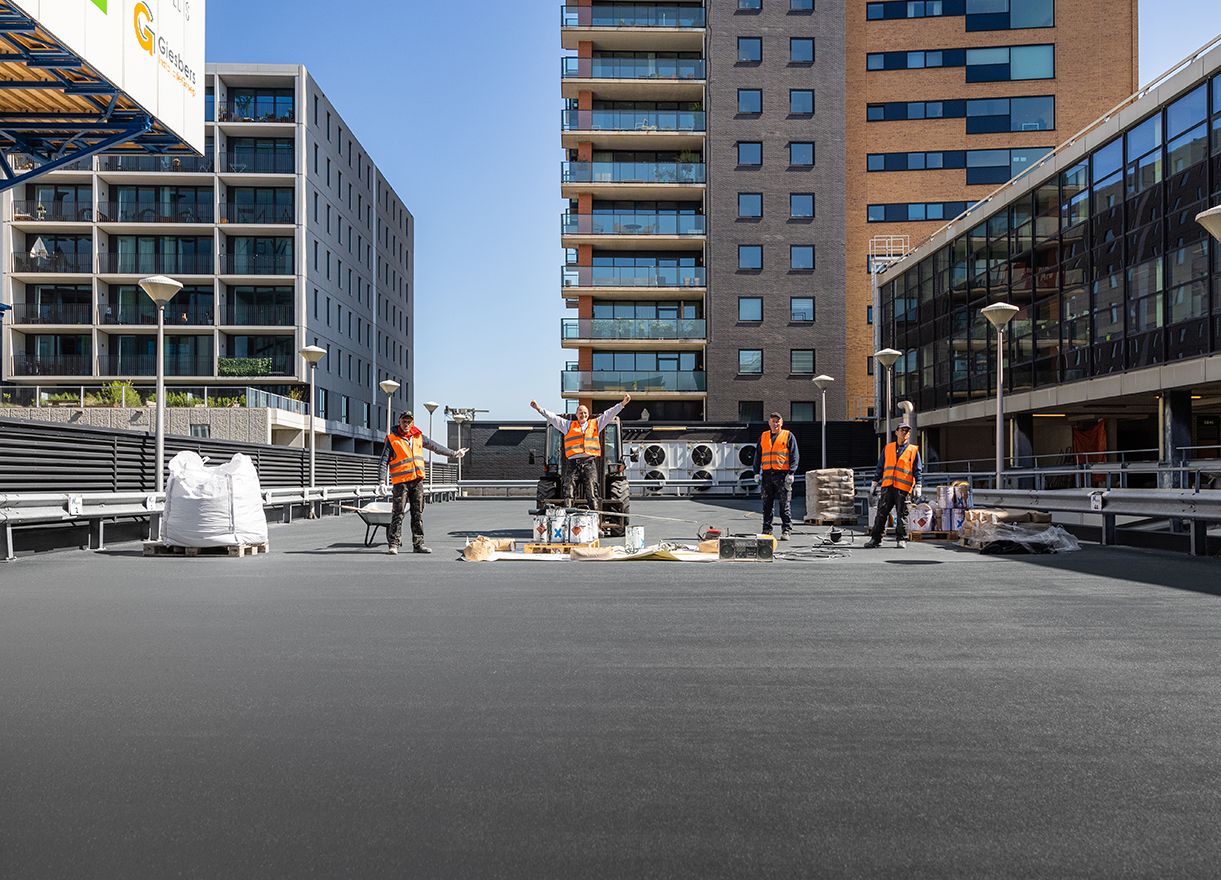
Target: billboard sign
(152,50)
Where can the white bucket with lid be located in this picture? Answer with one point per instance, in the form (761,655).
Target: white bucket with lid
(633,539)
(582,528)
(557,527)
(541,532)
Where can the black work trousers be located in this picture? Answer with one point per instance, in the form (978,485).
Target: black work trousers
(894,499)
(582,473)
(776,488)
(404,494)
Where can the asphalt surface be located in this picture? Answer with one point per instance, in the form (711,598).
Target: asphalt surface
(331,711)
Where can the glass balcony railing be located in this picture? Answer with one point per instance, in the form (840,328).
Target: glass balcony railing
(237,264)
(270,214)
(52,212)
(260,316)
(632,15)
(632,380)
(631,68)
(146,365)
(149,212)
(633,172)
(680,329)
(177,314)
(157,264)
(79,263)
(52,365)
(163,164)
(256,365)
(260,163)
(633,120)
(634,223)
(280,110)
(52,313)
(632,276)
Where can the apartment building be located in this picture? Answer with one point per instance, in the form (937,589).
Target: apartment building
(284,234)
(728,164)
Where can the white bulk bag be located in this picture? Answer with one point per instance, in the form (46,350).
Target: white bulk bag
(213,506)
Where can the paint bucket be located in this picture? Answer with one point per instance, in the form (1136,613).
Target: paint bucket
(582,528)
(952,519)
(557,527)
(945,497)
(920,518)
(540,529)
(633,539)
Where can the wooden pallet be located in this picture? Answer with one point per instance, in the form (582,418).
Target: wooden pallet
(556,548)
(831,520)
(156,548)
(934,535)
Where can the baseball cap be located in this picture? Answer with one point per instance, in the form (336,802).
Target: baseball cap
(775,415)
(407,414)
(903,425)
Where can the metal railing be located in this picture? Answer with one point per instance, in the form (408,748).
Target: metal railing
(52,313)
(146,365)
(157,264)
(254,111)
(240,163)
(632,223)
(236,264)
(52,365)
(632,15)
(634,172)
(632,68)
(681,329)
(51,211)
(127,394)
(264,316)
(177,314)
(150,212)
(633,380)
(78,263)
(266,214)
(159,164)
(632,276)
(256,399)
(259,365)
(633,120)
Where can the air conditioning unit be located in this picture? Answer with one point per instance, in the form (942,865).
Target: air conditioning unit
(704,456)
(653,474)
(706,475)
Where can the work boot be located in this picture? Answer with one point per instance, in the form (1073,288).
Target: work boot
(784,536)
(871,544)
(420,549)
(393,550)
(901,544)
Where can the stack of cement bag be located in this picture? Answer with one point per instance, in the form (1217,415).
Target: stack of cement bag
(830,495)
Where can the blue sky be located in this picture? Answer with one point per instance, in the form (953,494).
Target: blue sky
(459,104)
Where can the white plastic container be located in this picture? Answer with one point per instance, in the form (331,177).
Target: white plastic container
(633,539)
(920,518)
(582,528)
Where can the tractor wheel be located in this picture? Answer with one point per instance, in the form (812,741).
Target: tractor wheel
(548,490)
(618,500)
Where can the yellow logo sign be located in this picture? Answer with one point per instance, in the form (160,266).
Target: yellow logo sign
(144,33)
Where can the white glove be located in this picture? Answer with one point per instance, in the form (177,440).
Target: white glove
(383,489)
(461,452)
(873,489)
(788,480)
(916,493)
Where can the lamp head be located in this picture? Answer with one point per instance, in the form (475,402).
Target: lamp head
(459,417)
(823,382)
(1211,221)
(159,288)
(388,386)
(999,314)
(312,354)
(431,406)
(887,357)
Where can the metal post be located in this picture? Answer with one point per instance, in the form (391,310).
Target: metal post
(1000,404)
(824,429)
(890,378)
(430,412)
(389,406)
(313,402)
(160,463)
(459,424)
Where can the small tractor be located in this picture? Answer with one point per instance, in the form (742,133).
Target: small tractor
(612,478)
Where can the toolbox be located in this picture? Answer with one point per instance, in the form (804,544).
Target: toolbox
(749,548)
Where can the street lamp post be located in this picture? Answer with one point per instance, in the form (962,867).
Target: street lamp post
(999,315)
(431,406)
(887,358)
(822,383)
(160,290)
(459,418)
(388,386)
(312,354)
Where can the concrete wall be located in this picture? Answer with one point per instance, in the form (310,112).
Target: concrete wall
(238,423)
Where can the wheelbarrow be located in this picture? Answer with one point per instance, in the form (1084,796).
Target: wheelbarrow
(376,515)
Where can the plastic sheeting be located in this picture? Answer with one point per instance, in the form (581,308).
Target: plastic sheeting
(213,506)
(1005,538)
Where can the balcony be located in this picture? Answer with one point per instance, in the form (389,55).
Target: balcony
(145,315)
(632,381)
(260,316)
(52,365)
(280,111)
(159,164)
(657,26)
(32,210)
(157,264)
(269,365)
(634,278)
(267,215)
(240,163)
(146,365)
(667,333)
(673,230)
(627,79)
(680,181)
(634,129)
(81,264)
(238,264)
(153,213)
(52,313)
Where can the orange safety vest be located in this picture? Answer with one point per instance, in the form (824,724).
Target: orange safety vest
(578,442)
(774,457)
(406,457)
(900,473)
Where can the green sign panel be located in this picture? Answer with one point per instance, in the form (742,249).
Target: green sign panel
(100,4)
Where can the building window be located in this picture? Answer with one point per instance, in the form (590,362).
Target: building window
(203,431)
(750,257)
(801,154)
(869,315)
(750,101)
(750,309)
(1007,64)
(801,5)
(801,309)
(915,211)
(801,411)
(869,366)
(750,205)
(801,362)
(750,153)
(801,206)
(801,257)
(801,102)
(750,50)
(750,5)
(982,166)
(801,50)
(1000,15)
(750,410)
(750,361)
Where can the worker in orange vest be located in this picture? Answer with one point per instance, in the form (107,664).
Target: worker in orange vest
(896,482)
(402,477)
(582,447)
(776,466)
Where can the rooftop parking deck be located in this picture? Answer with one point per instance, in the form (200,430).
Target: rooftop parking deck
(327,710)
